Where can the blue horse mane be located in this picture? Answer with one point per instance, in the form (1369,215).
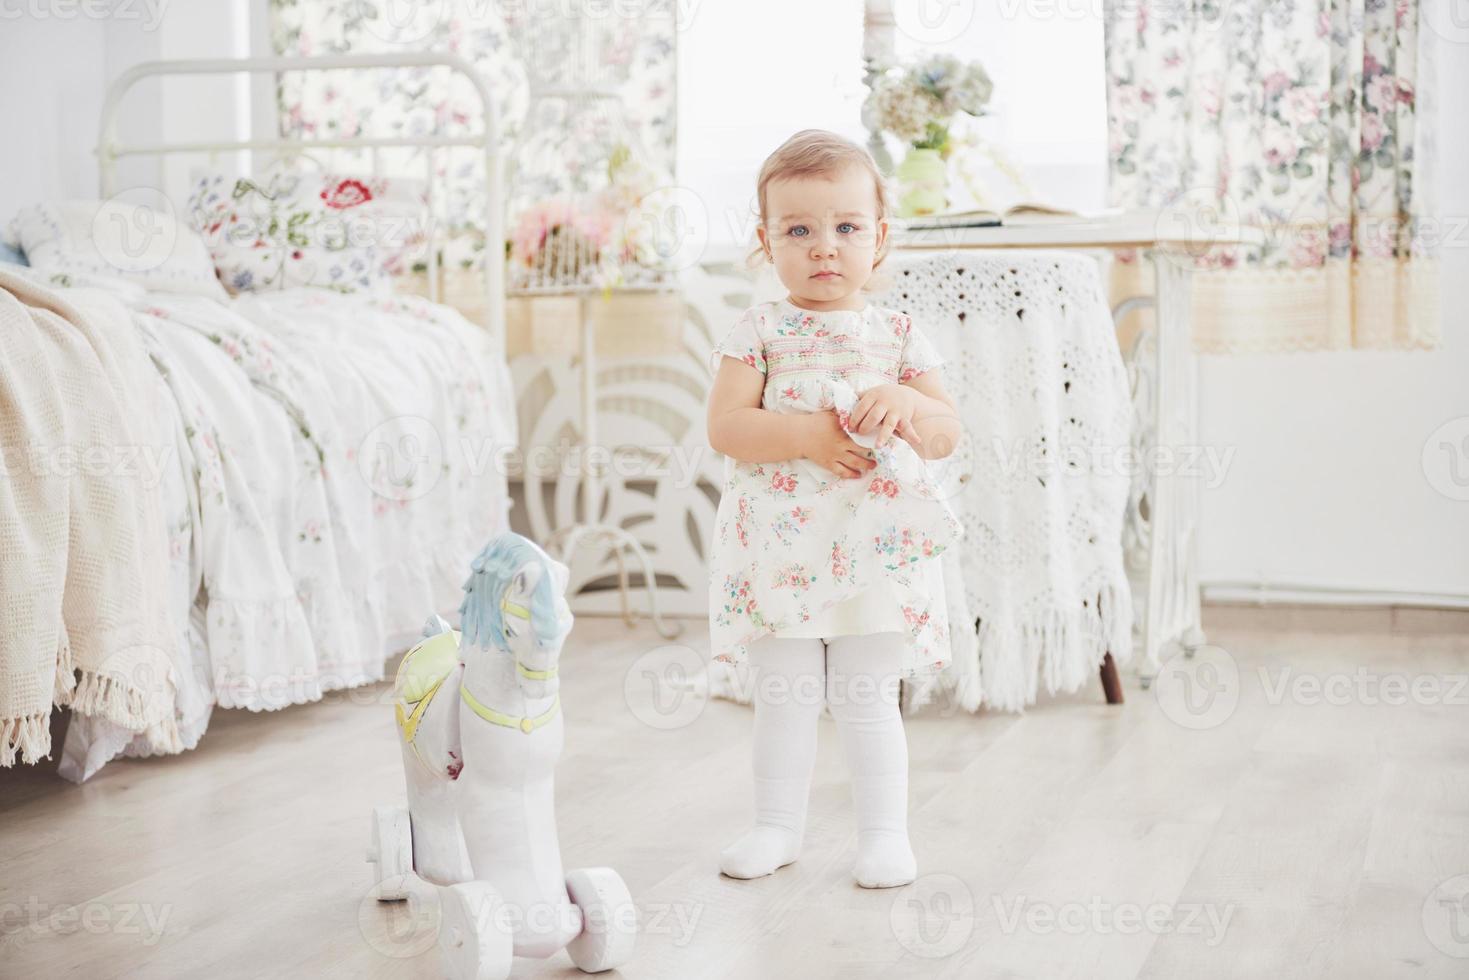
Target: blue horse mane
(481,621)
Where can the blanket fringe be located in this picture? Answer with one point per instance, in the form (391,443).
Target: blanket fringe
(1064,649)
(108,697)
(28,737)
(66,681)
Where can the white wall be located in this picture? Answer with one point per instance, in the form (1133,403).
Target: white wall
(54,71)
(749,75)
(51,78)
(1327,488)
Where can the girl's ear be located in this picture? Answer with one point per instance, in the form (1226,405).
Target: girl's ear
(882,237)
(764,244)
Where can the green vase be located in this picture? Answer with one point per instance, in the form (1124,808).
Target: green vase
(923,181)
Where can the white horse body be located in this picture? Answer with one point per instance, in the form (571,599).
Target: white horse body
(482,733)
(521,822)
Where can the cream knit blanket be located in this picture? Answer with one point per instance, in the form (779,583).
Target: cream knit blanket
(82,545)
(1037,591)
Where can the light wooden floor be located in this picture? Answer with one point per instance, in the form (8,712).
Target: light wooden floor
(1284,839)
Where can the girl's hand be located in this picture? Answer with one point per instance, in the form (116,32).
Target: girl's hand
(827,444)
(887,409)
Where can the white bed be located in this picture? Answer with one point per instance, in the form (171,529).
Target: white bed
(327,466)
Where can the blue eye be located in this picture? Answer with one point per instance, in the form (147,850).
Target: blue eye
(796,228)
(847,224)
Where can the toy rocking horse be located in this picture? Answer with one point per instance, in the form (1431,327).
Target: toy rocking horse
(481,729)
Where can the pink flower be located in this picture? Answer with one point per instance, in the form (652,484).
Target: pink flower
(1372,131)
(1382,92)
(347,194)
(1275,83)
(1308,250)
(537,222)
(1280,144)
(1210,100)
(1301,106)
(883,487)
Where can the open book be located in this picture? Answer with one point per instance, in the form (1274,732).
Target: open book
(1024,213)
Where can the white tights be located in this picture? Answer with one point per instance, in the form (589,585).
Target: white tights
(857,677)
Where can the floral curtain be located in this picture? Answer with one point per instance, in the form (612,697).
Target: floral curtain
(513,44)
(1311,119)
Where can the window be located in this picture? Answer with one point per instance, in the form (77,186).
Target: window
(752,73)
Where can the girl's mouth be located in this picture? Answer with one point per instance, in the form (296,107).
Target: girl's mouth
(827,275)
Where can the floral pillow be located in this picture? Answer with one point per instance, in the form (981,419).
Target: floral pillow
(142,244)
(349,234)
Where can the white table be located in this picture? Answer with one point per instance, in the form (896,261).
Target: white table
(1164,372)
(592,529)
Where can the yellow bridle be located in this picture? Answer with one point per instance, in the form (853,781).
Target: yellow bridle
(525,723)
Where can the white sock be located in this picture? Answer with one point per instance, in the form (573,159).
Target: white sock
(862,692)
(789,690)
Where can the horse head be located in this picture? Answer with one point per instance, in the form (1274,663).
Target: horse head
(515,602)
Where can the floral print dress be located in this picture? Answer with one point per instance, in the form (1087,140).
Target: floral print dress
(792,540)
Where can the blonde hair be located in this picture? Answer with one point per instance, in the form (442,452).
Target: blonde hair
(818,153)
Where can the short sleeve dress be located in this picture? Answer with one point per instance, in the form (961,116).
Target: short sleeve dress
(799,551)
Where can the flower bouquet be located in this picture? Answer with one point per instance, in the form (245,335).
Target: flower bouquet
(586,239)
(918,105)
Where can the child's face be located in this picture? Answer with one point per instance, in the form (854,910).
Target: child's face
(823,234)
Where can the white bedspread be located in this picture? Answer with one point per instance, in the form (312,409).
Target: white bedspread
(335,471)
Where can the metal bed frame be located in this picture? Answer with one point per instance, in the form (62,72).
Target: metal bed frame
(109,150)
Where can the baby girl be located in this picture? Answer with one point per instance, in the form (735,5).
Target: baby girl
(824,575)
